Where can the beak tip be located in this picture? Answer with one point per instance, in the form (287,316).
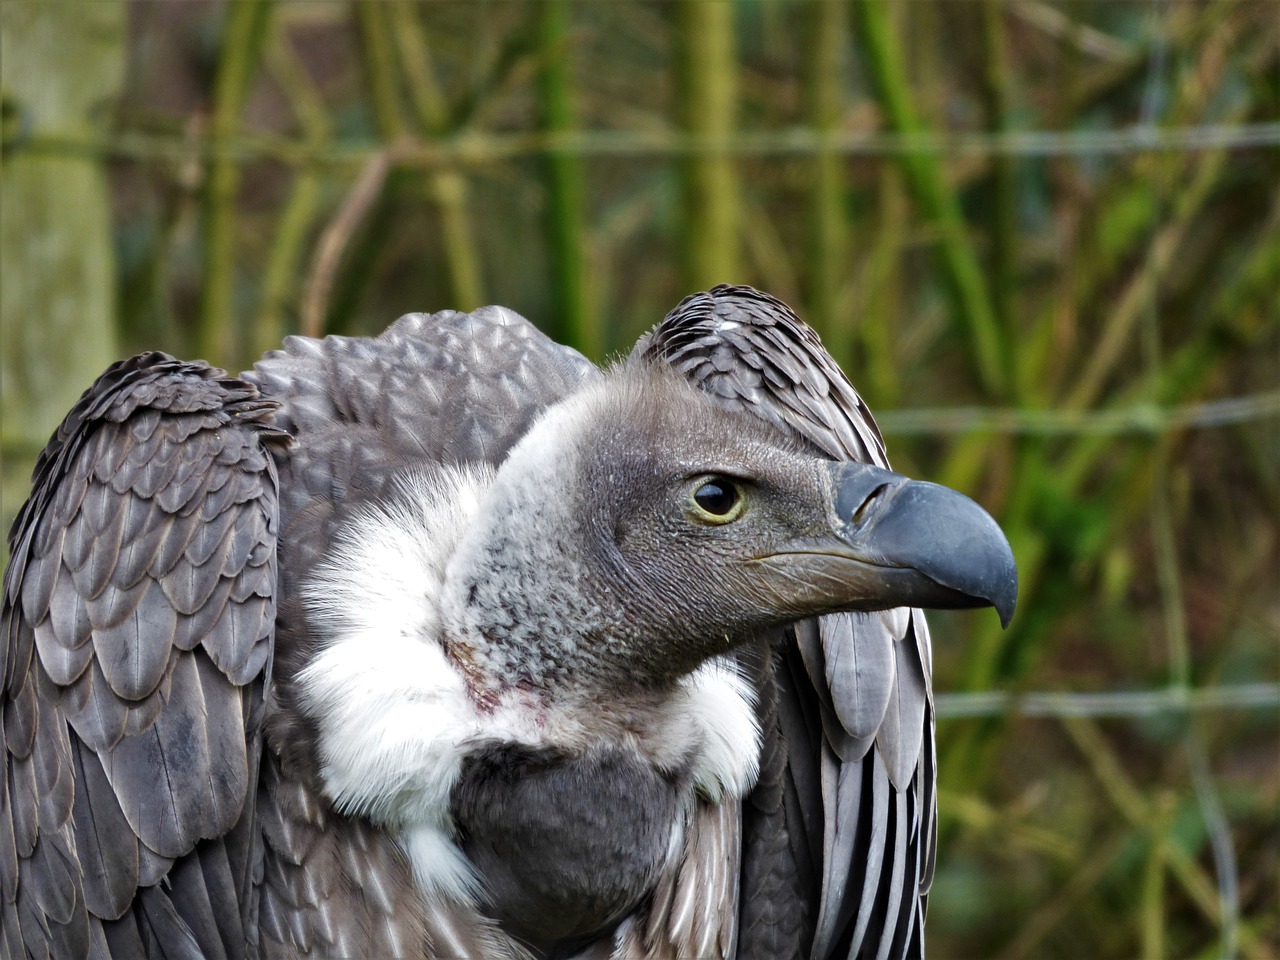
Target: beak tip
(1006,600)
(1002,576)
(1006,615)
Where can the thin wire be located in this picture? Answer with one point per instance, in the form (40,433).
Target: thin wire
(1141,418)
(1220,843)
(1138,419)
(477,148)
(1113,704)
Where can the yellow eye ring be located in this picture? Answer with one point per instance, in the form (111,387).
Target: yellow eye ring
(716,500)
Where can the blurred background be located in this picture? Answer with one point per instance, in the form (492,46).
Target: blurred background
(1042,236)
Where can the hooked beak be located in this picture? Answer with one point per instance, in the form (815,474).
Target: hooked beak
(904,543)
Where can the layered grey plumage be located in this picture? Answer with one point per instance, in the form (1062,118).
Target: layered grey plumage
(423,645)
(839,834)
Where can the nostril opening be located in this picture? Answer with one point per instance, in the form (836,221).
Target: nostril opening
(871,498)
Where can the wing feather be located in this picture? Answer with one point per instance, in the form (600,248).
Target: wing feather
(841,834)
(858,680)
(107,847)
(123,720)
(693,910)
(869,774)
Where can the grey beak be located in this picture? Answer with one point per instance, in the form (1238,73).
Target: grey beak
(937,548)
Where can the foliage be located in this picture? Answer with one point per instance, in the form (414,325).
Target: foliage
(1037,233)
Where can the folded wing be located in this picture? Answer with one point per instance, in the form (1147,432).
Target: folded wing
(838,836)
(135,635)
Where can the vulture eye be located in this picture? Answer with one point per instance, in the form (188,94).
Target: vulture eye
(717,500)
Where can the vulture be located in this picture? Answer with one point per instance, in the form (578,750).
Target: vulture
(448,643)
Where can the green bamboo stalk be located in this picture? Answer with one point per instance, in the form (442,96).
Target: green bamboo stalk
(447,185)
(245,26)
(827,240)
(350,241)
(937,201)
(566,187)
(379,61)
(1151,906)
(279,282)
(708,106)
(451,194)
(414,49)
(1001,259)
(884,303)
(58,285)
(766,255)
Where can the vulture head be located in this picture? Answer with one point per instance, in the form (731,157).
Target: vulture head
(638,529)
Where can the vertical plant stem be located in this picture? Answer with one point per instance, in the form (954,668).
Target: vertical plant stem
(278,283)
(450,192)
(1152,903)
(566,188)
(827,29)
(280,275)
(245,26)
(379,62)
(1001,258)
(448,186)
(1164,538)
(937,201)
(415,54)
(708,109)
(330,294)
(883,283)
(59,305)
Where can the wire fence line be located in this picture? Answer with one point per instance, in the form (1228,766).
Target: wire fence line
(1110,704)
(1142,419)
(474,147)
(1137,419)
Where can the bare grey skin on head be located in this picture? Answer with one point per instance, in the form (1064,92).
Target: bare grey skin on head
(435,656)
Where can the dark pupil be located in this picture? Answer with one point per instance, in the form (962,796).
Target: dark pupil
(716,498)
